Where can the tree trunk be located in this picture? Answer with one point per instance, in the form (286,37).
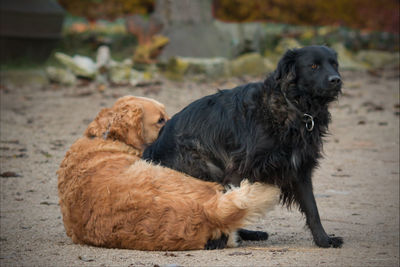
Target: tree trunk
(190,26)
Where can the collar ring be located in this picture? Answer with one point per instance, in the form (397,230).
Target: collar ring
(309,120)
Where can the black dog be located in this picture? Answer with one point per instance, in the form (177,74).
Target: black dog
(269,132)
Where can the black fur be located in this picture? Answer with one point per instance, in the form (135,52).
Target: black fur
(252,235)
(217,243)
(259,131)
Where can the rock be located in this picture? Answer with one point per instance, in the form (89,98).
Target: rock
(250,64)
(212,67)
(270,66)
(61,76)
(284,44)
(86,64)
(378,59)
(308,34)
(9,174)
(346,59)
(120,72)
(137,77)
(176,68)
(206,41)
(272,33)
(86,258)
(244,37)
(325,30)
(79,65)
(48,203)
(170,254)
(103,57)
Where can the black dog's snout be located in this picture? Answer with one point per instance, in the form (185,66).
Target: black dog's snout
(334,79)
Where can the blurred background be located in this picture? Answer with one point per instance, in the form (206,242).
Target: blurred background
(63,61)
(128,41)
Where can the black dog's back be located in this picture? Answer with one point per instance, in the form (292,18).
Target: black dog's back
(202,139)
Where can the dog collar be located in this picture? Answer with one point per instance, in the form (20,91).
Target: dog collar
(307,118)
(309,121)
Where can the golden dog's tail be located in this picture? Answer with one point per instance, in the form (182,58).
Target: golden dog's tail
(240,206)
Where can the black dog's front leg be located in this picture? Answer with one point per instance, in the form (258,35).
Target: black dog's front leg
(305,198)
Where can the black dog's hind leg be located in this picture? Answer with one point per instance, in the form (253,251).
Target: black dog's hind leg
(305,198)
(252,235)
(219,243)
(233,178)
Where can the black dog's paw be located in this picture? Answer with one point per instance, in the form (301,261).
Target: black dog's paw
(219,243)
(330,242)
(252,235)
(336,242)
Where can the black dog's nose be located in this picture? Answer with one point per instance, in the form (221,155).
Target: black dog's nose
(334,79)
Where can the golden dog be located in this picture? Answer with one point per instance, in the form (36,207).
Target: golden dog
(110,197)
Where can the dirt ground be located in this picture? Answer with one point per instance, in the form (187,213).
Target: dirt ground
(356,186)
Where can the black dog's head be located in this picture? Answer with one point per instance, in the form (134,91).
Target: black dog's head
(313,70)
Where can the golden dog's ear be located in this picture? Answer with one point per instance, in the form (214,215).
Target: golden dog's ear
(127,125)
(101,123)
(122,122)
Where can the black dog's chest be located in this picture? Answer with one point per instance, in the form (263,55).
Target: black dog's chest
(296,159)
(269,157)
(303,145)
(286,157)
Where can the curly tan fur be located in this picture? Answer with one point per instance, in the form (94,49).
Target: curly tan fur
(111,198)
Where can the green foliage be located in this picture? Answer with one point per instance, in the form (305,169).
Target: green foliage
(380,15)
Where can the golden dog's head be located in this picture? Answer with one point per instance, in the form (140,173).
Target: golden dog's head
(135,121)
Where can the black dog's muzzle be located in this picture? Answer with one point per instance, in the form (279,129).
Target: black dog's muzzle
(334,80)
(334,85)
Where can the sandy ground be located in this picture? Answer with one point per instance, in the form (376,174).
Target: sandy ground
(357,185)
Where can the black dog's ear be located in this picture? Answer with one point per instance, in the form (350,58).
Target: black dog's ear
(286,67)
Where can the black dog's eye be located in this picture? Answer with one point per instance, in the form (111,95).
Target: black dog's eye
(315,66)
(335,65)
(161,121)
